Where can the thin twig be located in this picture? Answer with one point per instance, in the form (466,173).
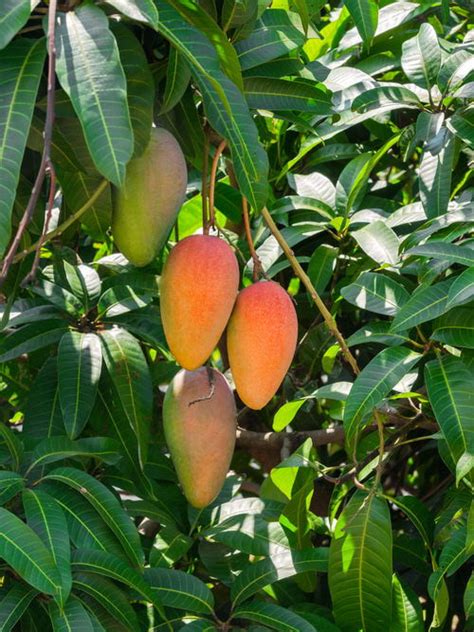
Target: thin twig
(205,175)
(212,187)
(257,264)
(65,225)
(46,164)
(301,274)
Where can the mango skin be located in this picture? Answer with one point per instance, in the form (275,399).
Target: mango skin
(200,435)
(261,341)
(147,205)
(198,288)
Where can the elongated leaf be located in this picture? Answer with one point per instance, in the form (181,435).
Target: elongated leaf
(224,104)
(286,414)
(378,332)
(446,252)
(365,16)
(462,290)
(84,282)
(72,617)
(449,385)
(180,590)
(273,616)
(456,328)
(59,296)
(250,534)
(43,417)
(427,303)
(178,75)
(46,518)
(57,448)
(79,368)
(169,546)
(62,152)
(13,16)
(22,549)
(256,576)
(454,554)
(281,94)
(30,338)
(77,188)
(106,505)
(462,124)
(140,85)
(130,376)
(385,96)
(114,568)
(139,10)
(435,174)
(14,604)
(376,293)
(360,565)
(11,440)
(122,299)
(321,266)
(10,484)
(89,70)
(109,596)
(421,57)
(419,515)
(407,615)
(21,65)
(374,382)
(378,241)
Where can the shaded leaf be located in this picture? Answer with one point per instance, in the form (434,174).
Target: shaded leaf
(427,303)
(273,616)
(376,293)
(180,590)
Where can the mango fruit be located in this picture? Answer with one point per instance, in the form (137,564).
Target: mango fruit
(146,206)
(261,341)
(200,421)
(198,288)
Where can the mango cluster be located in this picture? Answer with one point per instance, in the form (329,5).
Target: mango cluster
(200,298)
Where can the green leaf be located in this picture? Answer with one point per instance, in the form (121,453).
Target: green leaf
(225,106)
(21,66)
(451,253)
(275,34)
(43,417)
(386,96)
(456,328)
(58,448)
(62,152)
(250,534)
(321,266)
(256,576)
(462,290)
(169,546)
(375,381)
(140,85)
(178,75)
(376,293)
(449,385)
(84,282)
(407,615)
(89,70)
(139,10)
(106,564)
(72,617)
(106,505)
(77,188)
(14,604)
(378,241)
(30,338)
(435,173)
(377,332)
(177,589)
(419,515)
(360,565)
(426,304)
(131,379)
(10,484)
(46,518)
(462,124)
(105,593)
(455,553)
(282,94)
(79,368)
(14,15)
(421,57)
(285,414)
(274,617)
(122,299)
(365,14)
(59,296)
(22,549)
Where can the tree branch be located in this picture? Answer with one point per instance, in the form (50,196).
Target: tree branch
(212,187)
(46,165)
(257,264)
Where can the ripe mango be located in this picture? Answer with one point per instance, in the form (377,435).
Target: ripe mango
(145,208)
(198,289)
(200,421)
(261,341)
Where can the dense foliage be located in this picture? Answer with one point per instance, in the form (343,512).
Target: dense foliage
(349,503)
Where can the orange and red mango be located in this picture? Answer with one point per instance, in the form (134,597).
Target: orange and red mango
(145,208)
(198,289)
(200,421)
(261,341)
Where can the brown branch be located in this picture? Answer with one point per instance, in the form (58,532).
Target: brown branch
(65,225)
(205,169)
(257,264)
(215,163)
(46,164)
(301,274)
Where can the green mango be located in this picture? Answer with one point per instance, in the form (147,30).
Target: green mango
(146,206)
